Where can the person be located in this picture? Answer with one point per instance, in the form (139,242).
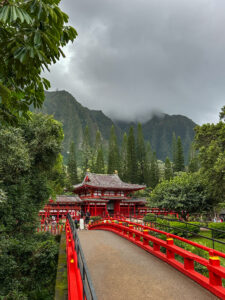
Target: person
(46,223)
(87,218)
(81,220)
(54,223)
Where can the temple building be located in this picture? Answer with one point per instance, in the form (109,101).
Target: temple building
(104,194)
(101,194)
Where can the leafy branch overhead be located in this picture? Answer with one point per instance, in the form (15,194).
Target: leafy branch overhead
(32,34)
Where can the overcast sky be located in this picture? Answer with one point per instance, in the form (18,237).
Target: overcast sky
(133,57)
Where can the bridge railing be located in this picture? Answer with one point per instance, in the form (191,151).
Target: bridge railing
(167,251)
(79,281)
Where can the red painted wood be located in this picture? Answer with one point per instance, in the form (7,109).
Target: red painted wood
(127,229)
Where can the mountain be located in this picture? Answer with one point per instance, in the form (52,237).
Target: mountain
(158,130)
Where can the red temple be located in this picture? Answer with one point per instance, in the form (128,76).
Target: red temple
(104,194)
(101,194)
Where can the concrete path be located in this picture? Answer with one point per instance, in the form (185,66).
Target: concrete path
(121,270)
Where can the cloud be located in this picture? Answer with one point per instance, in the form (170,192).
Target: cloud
(134,57)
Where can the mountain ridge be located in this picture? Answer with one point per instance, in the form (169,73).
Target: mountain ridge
(75,116)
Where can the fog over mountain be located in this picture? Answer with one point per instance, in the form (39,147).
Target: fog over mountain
(134,57)
(158,129)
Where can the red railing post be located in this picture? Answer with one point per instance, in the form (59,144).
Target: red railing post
(214,279)
(145,240)
(169,253)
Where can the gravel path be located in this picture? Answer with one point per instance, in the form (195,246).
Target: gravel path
(121,270)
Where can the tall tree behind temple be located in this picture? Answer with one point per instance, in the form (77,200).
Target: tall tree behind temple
(123,169)
(131,157)
(100,165)
(153,172)
(72,165)
(86,151)
(194,164)
(141,156)
(179,160)
(97,146)
(168,169)
(113,158)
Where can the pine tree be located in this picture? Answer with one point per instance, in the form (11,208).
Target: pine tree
(123,169)
(113,156)
(168,170)
(193,165)
(141,156)
(131,157)
(86,151)
(97,146)
(179,161)
(154,171)
(72,165)
(100,165)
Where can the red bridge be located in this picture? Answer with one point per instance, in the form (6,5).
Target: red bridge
(121,270)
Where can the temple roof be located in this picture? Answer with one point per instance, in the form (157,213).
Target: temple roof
(106,181)
(66,199)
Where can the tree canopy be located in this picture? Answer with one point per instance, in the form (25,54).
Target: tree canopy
(210,141)
(30,170)
(185,194)
(31,38)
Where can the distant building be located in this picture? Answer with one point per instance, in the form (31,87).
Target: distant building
(101,194)
(104,194)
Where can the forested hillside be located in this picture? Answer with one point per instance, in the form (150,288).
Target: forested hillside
(158,130)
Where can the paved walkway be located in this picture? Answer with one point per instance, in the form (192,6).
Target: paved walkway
(121,270)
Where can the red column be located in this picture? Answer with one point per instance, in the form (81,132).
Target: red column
(95,210)
(105,209)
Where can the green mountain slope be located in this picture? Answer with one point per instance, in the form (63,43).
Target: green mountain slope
(75,117)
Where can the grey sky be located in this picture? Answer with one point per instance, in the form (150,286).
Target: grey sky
(133,57)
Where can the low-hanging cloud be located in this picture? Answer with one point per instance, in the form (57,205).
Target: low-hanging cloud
(133,57)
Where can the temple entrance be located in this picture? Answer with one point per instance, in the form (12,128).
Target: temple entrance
(110,207)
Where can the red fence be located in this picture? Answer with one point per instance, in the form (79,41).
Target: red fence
(57,229)
(75,286)
(140,235)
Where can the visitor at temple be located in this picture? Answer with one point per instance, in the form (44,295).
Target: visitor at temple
(81,220)
(87,218)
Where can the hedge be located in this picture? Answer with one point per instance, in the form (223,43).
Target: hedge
(219,226)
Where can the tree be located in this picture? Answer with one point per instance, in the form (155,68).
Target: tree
(113,156)
(184,194)
(96,148)
(29,163)
(100,165)
(123,169)
(86,152)
(168,169)
(131,157)
(193,165)
(153,171)
(72,165)
(31,36)
(210,141)
(141,156)
(179,160)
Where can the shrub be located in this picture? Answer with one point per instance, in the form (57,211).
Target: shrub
(181,228)
(149,218)
(219,226)
(95,218)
